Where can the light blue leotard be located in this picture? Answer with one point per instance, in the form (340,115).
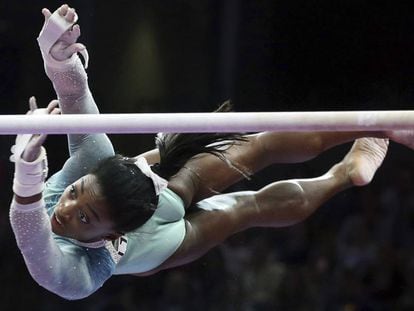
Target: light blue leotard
(147,246)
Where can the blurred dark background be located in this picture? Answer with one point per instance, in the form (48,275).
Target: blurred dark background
(355,253)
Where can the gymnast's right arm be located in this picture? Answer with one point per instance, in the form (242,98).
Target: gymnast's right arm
(63,268)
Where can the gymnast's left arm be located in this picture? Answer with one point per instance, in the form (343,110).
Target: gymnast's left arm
(59,266)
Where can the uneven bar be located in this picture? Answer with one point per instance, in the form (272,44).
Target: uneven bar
(207,122)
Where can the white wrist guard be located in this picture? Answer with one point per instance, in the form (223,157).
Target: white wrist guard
(29,177)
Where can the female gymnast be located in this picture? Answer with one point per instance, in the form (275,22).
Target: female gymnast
(161,209)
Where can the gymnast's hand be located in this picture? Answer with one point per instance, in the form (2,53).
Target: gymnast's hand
(28,146)
(30,160)
(66,46)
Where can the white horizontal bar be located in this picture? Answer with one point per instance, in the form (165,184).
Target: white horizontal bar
(207,122)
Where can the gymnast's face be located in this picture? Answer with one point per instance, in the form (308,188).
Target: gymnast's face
(82,213)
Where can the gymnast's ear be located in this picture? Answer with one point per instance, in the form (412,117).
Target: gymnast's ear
(112,236)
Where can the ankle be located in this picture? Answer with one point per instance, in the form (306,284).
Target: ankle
(341,172)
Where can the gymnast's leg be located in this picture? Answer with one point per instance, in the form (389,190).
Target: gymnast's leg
(212,175)
(279,204)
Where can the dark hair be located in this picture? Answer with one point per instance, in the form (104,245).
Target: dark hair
(131,194)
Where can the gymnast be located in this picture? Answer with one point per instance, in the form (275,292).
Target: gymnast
(104,214)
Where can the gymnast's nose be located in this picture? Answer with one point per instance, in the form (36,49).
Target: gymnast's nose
(65,210)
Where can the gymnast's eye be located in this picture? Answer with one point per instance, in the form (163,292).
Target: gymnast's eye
(72,191)
(83,218)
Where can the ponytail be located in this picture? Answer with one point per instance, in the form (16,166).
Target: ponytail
(176,149)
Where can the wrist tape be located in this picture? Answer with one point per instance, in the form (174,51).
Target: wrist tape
(29,177)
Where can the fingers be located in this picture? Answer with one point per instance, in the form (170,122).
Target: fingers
(68,13)
(70,16)
(76,31)
(32,103)
(52,105)
(46,13)
(56,111)
(40,140)
(63,9)
(71,35)
(73,48)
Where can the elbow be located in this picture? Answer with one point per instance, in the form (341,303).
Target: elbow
(73,294)
(72,298)
(65,290)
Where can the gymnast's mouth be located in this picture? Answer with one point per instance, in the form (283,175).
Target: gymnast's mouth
(58,220)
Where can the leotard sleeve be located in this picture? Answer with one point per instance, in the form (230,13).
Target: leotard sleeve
(66,269)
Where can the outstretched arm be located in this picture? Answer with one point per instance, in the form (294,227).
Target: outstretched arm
(56,264)
(59,48)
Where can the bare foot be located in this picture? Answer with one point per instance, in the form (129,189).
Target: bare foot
(364,158)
